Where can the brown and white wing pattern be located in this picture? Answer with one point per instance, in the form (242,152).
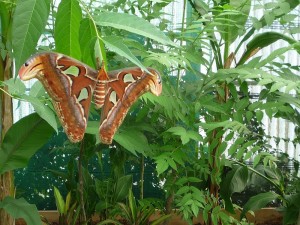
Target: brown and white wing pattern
(70,85)
(123,89)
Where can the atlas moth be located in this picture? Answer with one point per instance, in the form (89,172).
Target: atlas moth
(71,85)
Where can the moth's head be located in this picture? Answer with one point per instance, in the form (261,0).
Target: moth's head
(31,68)
(156,82)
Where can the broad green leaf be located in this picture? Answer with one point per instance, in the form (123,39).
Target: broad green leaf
(29,21)
(37,90)
(66,33)
(15,86)
(22,140)
(60,203)
(87,40)
(235,181)
(116,45)
(161,165)
(20,208)
(123,186)
(259,201)
(263,40)
(132,140)
(43,110)
(132,24)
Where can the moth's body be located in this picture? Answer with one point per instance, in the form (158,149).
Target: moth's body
(71,84)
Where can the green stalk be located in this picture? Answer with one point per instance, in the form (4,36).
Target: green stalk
(142,173)
(181,41)
(80,175)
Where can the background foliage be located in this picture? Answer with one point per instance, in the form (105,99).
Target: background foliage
(204,134)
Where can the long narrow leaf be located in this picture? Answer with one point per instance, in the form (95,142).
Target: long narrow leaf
(132,24)
(87,39)
(123,186)
(263,40)
(29,21)
(66,33)
(115,44)
(60,203)
(132,205)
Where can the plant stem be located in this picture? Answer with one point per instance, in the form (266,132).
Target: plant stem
(6,179)
(181,41)
(142,172)
(80,175)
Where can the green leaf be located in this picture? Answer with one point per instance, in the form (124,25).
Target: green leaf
(60,203)
(234,19)
(275,54)
(20,208)
(161,165)
(15,86)
(132,24)
(171,163)
(242,104)
(132,205)
(43,110)
(116,45)
(277,86)
(37,90)
(29,21)
(68,202)
(177,130)
(22,140)
(235,181)
(123,187)
(67,24)
(87,40)
(263,40)
(4,18)
(132,140)
(234,125)
(259,201)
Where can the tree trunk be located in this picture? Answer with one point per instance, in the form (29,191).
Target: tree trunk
(6,179)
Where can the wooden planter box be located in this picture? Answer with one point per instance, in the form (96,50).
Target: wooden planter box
(266,216)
